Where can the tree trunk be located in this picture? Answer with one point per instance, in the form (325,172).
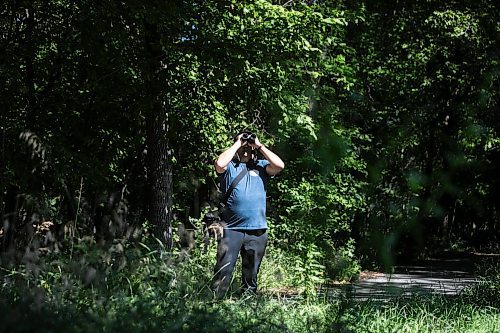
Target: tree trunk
(160,176)
(10,217)
(29,78)
(159,153)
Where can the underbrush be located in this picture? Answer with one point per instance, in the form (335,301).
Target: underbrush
(143,288)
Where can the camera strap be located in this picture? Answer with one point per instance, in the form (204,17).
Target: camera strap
(232,186)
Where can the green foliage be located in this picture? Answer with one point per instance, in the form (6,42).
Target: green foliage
(424,66)
(141,287)
(384,113)
(319,204)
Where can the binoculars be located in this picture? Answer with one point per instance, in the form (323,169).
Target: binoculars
(248,137)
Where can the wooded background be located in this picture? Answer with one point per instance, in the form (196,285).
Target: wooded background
(385,113)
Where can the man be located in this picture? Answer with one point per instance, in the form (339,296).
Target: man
(244,218)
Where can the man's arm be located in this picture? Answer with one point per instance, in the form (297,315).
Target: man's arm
(276,164)
(223,160)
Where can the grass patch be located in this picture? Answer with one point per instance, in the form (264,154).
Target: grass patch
(434,314)
(140,288)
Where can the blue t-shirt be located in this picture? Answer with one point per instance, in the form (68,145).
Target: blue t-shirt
(246,206)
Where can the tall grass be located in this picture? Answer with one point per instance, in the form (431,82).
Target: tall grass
(435,314)
(143,288)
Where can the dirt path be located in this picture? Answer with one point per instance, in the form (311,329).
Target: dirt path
(443,276)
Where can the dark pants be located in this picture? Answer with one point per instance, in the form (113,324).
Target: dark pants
(251,244)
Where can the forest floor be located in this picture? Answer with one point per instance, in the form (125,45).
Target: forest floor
(444,275)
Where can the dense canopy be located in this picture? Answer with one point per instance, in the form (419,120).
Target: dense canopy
(386,114)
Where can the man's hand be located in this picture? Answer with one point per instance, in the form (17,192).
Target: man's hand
(256,144)
(242,143)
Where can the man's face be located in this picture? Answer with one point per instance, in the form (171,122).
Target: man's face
(245,153)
